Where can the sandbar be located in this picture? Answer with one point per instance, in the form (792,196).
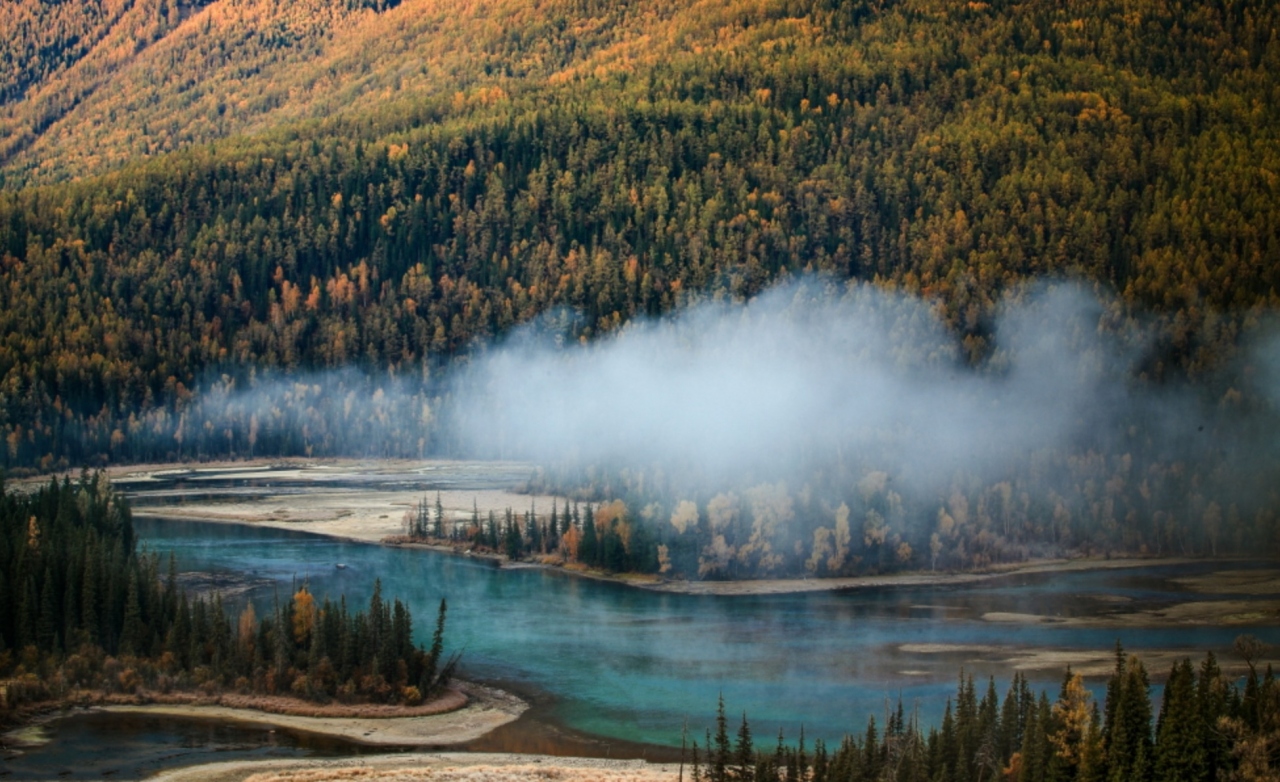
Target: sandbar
(1209,613)
(437,767)
(1090,663)
(366,501)
(485,710)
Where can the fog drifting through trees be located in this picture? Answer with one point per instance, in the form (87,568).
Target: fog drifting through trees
(824,428)
(811,372)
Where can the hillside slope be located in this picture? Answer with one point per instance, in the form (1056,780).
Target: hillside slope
(619,160)
(133,79)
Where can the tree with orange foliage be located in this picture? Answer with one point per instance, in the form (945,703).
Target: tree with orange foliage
(304,615)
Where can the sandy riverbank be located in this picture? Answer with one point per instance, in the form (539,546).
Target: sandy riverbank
(366,500)
(351,499)
(1090,663)
(436,767)
(464,713)
(486,709)
(1216,613)
(783,586)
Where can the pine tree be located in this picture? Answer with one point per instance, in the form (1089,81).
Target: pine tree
(588,553)
(47,619)
(1011,720)
(513,543)
(89,596)
(1035,743)
(1179,747)
(532,532)
(1129,746)
(1212,699)
(744,770)
(721,755)
(439,518)
(131,633)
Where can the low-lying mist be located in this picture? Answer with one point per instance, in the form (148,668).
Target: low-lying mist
(822,427)
(813,372)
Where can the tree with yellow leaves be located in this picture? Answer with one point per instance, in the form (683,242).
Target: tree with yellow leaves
(304,615)
(1076,738)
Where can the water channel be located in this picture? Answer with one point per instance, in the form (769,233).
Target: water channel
(624,663)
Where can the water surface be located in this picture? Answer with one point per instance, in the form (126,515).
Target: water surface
(629,665)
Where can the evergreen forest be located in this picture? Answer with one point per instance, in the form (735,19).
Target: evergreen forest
(1206,727)
(83,610)
(296,234)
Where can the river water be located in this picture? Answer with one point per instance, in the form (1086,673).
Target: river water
(626,663)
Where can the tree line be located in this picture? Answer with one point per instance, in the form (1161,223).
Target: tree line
(82,609)
(594,535)
(947,152)
(1206,728)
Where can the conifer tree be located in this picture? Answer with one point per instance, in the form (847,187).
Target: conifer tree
(722,753)
(1179,747)
(131,633)
(744,754)
(588,547)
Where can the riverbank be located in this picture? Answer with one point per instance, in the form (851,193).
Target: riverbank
(1093,664)
(464,713)
(437,767)
(366,501)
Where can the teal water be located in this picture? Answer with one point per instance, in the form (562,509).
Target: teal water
(131,746)
(627,663)
(623,663)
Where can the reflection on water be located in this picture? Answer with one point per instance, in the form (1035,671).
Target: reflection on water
(621,663)
(97,745)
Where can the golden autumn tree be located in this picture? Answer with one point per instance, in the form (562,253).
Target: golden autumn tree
(304,615)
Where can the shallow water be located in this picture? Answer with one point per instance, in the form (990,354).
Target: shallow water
(631,663)
(97,745)
(624,663)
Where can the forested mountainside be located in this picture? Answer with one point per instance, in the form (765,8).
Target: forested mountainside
(945,150)
(620,161)
(94,85)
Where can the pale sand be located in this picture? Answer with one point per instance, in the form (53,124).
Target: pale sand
(486,710)
(783,586)
(1210,613)
(369,511)
(439,767)
(362,500)
(1235,582)
(1089,663)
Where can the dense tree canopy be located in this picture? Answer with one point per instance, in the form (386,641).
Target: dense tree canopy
(1209,728)
(81,608)
(621,161)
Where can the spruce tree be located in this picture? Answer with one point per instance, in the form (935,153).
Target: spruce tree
(1179,747)
(131,633)
(588,547)
(1212,699)
(47,619)
(439,519)
(744,770)
(721,755)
